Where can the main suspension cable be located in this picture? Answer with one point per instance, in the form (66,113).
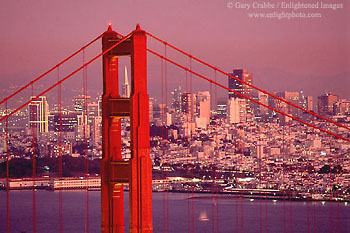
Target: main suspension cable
(249,98)
(246,83)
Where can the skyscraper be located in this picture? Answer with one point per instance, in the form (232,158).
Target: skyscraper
(236,110)
(221,107)
(176,99)
(79,102)
(188,103)
(38,114)
(264,99)
(203,103)
(325,103)
(309,103)
(126,86)
(244,89)
(238,86)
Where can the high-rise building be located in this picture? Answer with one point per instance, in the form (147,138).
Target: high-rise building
(292,97)
(244,89)
(237,111)
(150,109)
(99,111)
(238,86)
(203,106)
(79,102)
(126,86)
(68,121)
(176,99)
(92,111)
(221,107)
(325,103)
(97,130)
(264,99)
(188,101)
(342,107)
(309,103)
(38,114)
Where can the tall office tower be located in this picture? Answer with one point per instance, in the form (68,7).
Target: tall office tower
(236,110)
(79,102)
(38,114)
(238,86)
(97,130)
(203,106)
(92,111)
(325,103)
(99,111)
(292,97)
(176,99)
(244,75)
(221,107)
(69,121)
(188,101)
(342,107)
(264,99)
(150,109)
(126,86)
(309,103)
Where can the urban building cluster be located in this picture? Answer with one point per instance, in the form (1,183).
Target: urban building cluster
(232,141)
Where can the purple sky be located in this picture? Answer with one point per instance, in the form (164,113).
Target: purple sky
(309,54)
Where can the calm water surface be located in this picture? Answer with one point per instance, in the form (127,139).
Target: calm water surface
(209,215)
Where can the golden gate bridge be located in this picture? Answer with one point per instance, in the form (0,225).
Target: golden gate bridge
(136,172)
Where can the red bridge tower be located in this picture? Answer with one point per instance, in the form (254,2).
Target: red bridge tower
(137,172)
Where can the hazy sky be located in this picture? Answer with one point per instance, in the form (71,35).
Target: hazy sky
(307,53)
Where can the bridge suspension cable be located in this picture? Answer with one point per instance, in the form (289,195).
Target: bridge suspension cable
(245,83)
(67,77)
(246,97)
(50,70)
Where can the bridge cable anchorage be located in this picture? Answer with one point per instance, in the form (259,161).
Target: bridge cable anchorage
(245,83)
(249,98)
(67,77)
(50,70)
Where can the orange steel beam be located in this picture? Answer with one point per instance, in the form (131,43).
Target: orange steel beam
(137,172)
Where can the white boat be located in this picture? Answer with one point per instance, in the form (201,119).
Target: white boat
(203,217)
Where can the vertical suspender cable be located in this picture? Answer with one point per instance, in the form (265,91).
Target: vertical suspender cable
(59,147)
(330,186)
(33,165)
(284,188)
(188,168)
(213,175)
(266,210)
(260,186)
(307,198)
(192,106)
(166,131)
(85,144)
(290,203)
(217,187)
(7,174)
(161,109)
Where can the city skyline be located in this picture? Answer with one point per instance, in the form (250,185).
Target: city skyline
(282,54)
